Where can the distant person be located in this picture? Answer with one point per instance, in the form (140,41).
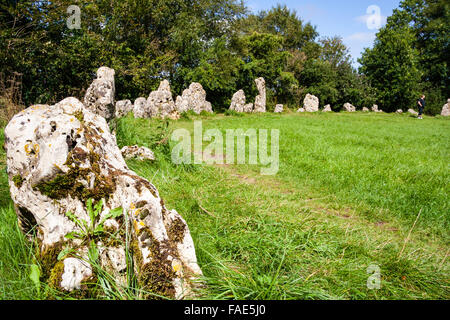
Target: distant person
(421,105)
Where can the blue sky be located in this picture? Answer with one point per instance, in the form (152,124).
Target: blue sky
(344,18)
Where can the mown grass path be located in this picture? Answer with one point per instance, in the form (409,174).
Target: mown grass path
(348,192)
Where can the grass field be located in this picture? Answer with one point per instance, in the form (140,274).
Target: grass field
(353,190)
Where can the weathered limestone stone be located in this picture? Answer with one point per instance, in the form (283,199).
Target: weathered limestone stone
(60,158)
(160,102)
(248,108)
(349,107)
(375,108)
(238,101)
(413,112)
(446,109)
(327,108)
(260,100)
(311,103)
(193,98)
(399,111)
(123,107)
(140,108)
(99,97)
(142,153)
(39,106)
(278,108)
(182,105)
(365,109)
(301,110)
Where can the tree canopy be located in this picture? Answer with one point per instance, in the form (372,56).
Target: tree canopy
(222,45)
(411,56)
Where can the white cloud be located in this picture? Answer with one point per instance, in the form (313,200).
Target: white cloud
(372,21)
(365,18)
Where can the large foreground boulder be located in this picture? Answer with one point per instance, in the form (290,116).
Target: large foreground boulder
(99,97)
(193,98)
(260,100)
(62,159)
(446,109)
(160,102)
(311,103)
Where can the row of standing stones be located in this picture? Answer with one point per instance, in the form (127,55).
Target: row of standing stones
(311,104)
(100,97)
(63,158)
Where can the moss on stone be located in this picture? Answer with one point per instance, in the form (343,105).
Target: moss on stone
(48,259)
(176,230)
(156,276)
(79,115)
(18,180)
(70,183)
(55,276)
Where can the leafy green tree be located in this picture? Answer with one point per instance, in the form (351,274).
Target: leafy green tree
(392,67)
(265,58)
(284,22)
(144,41)
(218,72)
(429,22)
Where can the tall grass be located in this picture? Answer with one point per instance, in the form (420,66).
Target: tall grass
(347,196)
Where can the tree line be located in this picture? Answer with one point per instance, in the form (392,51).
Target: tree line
(224,46)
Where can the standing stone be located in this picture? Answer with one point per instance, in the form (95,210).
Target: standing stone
(365,109)
(123,107)
(99,97)
(278,108)
(260,100)
(238,101)
(248,108)
(160,102)
(327,108)
(182,105)
(375,108)
(413,112)
(349,107)
(60,157)
(311,103)
(142,153)
(140,108)
(446,109)
(193,98)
